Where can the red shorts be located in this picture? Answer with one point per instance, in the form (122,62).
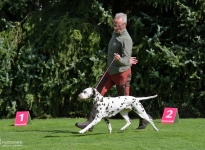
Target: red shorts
(120,79)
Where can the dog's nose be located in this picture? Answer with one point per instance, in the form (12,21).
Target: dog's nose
(80,96)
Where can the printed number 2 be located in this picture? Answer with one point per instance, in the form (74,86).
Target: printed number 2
(21,116)
(170,113)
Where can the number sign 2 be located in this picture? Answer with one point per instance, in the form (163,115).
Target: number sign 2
(22,118)
(170,116)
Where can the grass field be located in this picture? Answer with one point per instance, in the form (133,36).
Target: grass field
(61,134)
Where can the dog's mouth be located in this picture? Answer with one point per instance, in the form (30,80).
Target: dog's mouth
(81,96)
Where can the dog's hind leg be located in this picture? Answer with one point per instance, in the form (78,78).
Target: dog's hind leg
(146,117)
(124,114)
(139,109)
(108,124)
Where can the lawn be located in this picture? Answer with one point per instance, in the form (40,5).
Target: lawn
(61,134)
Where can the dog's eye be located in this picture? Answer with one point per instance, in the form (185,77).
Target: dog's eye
(84,92)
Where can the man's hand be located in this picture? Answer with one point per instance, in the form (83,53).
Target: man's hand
(133,61)
(117,56)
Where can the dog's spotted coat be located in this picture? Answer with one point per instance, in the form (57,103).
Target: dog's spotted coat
(107,107)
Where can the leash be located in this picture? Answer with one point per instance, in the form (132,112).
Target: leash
(105,73)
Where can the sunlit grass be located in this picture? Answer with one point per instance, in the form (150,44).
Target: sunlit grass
(61,134)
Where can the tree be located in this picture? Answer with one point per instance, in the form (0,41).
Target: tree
(51,50)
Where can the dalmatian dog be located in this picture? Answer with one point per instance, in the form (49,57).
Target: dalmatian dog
(107,107)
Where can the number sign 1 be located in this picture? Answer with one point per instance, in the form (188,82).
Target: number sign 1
(170,116)
(22,118)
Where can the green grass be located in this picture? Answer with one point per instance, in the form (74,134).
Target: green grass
(61,134)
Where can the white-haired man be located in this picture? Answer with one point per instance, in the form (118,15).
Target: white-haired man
(119,73)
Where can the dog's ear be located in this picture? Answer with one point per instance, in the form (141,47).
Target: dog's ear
(94,91)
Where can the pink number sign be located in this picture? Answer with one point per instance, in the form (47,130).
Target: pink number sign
(22,118)
(170,116)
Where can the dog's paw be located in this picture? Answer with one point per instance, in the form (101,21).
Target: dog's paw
(156,130)
(122,129)
(81,131)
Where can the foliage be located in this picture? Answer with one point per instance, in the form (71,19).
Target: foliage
(171,58)
(52,50)
(54,54)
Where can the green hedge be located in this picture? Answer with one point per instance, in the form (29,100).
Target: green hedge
(51,55)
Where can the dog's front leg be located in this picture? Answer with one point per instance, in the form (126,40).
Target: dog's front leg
(94,122)
(108,124)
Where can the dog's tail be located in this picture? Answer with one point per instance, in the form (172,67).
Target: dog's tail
(145,98)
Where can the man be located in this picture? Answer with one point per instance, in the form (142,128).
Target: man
(119,72)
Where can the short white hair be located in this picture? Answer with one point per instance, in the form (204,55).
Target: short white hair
(121,15)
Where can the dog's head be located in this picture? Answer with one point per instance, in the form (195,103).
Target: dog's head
(87,93)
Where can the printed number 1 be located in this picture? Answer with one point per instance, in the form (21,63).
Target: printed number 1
(21,116)
(170,113)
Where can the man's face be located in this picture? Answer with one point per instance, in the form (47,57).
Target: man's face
(118,25)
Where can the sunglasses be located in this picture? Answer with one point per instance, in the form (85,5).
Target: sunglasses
(118,26)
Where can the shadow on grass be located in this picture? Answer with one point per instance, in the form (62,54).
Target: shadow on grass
(68,132)
(74,134)
(50,131)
